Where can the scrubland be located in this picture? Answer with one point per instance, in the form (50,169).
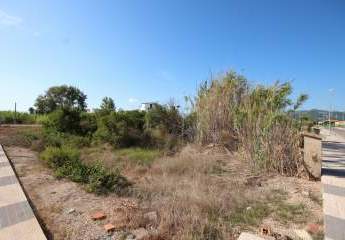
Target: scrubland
(231,163)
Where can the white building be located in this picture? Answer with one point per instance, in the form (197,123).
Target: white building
(148,106)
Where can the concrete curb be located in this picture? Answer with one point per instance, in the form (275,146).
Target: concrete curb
(17,219)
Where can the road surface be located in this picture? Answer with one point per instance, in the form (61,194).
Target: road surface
(333,180)
(339,131)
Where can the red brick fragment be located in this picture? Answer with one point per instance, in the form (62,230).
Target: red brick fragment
(109,227)
(313,228)
(98,216)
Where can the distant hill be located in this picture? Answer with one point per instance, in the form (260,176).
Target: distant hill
(321,115)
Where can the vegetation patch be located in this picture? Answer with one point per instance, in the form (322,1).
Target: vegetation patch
(256,120)
(140,156)
(251,215)
(286,212)
(10,117)
(66,163)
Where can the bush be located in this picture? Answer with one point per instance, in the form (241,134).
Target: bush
(71,122)
(164,117)
(66,163)
(77,141)
(64,120)
(87,124)
(121,129)
(102,181)
(57,157)
(53,138)
(164,125)
(58,139)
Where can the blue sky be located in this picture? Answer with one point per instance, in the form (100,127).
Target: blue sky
(136,51)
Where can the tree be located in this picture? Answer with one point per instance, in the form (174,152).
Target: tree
(61,97)
(31,110)
(108,104)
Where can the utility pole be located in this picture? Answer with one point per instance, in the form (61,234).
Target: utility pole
(331,91)
(15,112)
(329,120)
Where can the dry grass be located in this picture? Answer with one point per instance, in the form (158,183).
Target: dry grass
(187,196)
(19,136)
(202,195)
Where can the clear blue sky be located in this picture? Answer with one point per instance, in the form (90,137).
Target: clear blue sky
(136,51)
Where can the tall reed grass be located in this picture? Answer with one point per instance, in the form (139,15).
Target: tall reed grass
(252,119)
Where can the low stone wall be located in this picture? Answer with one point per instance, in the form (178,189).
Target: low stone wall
(312,150)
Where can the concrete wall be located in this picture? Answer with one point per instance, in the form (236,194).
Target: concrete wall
(312,154)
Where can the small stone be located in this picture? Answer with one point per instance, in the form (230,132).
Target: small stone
(72,210)
(140,233)
(249,208)
(98,216)
(109,227)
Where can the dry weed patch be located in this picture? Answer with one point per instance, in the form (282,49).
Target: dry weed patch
(195,201)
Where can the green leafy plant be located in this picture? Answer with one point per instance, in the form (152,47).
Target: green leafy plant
(66,163)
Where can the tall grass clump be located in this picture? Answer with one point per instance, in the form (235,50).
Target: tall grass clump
(268,136)
(217,107)
(252,119)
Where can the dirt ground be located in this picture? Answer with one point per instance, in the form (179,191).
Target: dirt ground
(64,207)
(54,200)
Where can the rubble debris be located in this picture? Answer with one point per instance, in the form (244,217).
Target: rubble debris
(98,216)
(109,227)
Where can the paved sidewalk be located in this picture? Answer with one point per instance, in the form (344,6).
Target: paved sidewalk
(333,179)
(17,220)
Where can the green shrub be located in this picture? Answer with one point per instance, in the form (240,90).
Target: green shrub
(121,129)
(53,138)
(64,120)
(71,122)
(102,181)
(74,170)
(57,157)
(87,124)
(66,163)
(76,141)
